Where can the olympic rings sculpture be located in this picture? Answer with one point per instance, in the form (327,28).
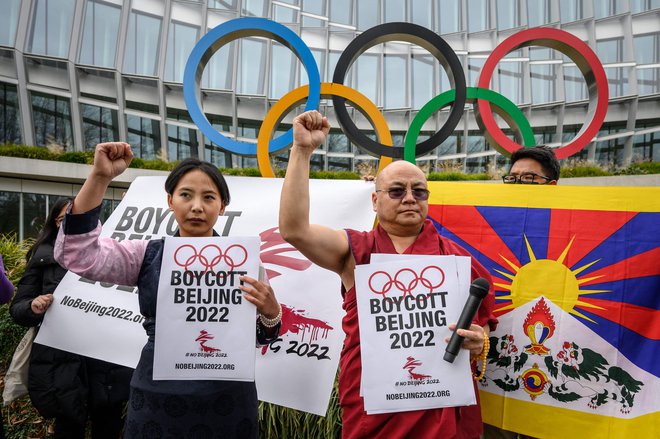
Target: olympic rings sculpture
(210,256)
(484,100)
(405,280)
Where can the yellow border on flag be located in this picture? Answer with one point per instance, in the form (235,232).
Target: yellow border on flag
(614,198)
(539,420)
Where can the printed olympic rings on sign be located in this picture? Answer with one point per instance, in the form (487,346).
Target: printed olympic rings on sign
(218,37)
(581,54)
(406,280)
(410,33)
(328,89)
(504,107)
(210,256)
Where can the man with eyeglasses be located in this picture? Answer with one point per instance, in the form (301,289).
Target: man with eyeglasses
(401,205)
(535,165)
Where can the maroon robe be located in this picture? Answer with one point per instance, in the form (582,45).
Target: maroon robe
(454,422)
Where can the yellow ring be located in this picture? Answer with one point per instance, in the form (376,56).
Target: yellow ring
(328,89)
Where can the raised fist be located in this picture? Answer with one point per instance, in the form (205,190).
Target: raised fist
(310,130)
(111,159)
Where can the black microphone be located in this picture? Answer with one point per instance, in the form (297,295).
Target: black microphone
(478,290)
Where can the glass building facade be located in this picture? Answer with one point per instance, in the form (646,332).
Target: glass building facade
(77,72)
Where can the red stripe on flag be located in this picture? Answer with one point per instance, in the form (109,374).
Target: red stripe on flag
(641,265)
(642,320)
(468,224)
(591,227)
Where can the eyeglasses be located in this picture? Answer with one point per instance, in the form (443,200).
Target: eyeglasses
(398,193)
(526,178)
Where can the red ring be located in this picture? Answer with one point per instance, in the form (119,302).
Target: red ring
(386,286)
(567,44)
(427,283)
(230,261)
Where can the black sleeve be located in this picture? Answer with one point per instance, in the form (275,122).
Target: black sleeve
(262,337)
(29,287)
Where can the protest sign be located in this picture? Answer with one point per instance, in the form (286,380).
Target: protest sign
(205,329)
(404,308)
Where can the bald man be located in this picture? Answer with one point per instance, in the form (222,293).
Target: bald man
(401,205)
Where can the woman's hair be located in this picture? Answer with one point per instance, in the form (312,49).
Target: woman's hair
(192,164)
(49,233)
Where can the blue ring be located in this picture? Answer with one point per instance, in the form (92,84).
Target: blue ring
(223,34)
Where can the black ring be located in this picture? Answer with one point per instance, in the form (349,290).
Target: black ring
(410,33)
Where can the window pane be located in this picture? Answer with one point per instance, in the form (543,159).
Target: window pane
(647,48)
(508,14)
(511,83)
(51,27)
(575,85)
(223,4)
(340,11)
(648,81)
(10,116)
(282,71)
(180,41)
(339,163)
(543,80)
(284,15)
(338,142)
(644,5)
(254,7)
(181,143)
(367,76)
(450,16)
(144,137)
(396,75)
(474,69)
(610,51)
(617,78)
(367,14)
(538,12)
(571,10)
(395,10)
(218,71)
(422,13)
(9,21)
(10,208)
(422,81)
(52,121)
(250,68)
(477,15)
(142,44)
(99,42)
(99,125)
(35,212)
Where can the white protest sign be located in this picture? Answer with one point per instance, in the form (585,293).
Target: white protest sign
(404,308)
(299,369)
(205,329)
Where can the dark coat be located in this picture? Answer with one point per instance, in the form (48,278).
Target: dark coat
(62,384)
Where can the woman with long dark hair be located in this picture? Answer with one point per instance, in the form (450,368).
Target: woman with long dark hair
(197,195)
(63,385)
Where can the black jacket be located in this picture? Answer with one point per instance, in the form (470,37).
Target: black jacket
(62,384)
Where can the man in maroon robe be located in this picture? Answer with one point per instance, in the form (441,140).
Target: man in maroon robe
(401,205)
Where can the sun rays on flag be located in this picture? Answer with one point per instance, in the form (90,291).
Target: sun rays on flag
(545,277)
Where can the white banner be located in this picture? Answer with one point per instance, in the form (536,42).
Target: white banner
(205,329)
(298,371)
(404,307)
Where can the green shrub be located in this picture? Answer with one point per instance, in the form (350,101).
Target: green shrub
(85,158)
(28,152)
(334,175)
(644,168)
(582,171)
(456,176)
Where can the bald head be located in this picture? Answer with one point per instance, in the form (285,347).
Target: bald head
(397,170)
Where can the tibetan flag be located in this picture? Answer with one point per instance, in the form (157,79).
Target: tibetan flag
(577,280)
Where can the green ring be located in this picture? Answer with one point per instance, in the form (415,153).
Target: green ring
(509,111)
